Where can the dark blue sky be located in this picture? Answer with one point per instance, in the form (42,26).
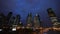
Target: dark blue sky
(23,7)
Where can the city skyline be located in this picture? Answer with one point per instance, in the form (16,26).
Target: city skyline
(23,7)
(31,20)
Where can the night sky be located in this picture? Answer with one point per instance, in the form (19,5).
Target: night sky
(23,7)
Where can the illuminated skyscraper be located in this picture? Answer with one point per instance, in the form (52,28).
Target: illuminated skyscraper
(16,22)
(53,17)
(37,21)
(29,20)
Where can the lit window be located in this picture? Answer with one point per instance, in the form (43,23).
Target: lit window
(36,27)
(23,27)
(18,27)
(29,24)
(56,23)
(53,17)
(53,20)
(27,27)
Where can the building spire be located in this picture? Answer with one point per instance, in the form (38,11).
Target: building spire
(36,14)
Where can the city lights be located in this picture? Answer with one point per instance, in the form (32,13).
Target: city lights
(33,25)
(23,27)
(18,27)
(13,29)
(0,29)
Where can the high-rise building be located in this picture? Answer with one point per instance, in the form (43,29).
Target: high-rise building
(11,21)
(29,20)
(37,21)
(53,17)
(2,20)
(1,17)
(8,18)
(9,15)
(16,23)
(37,24)
(17,20)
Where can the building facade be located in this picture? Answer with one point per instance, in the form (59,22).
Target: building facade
(37,21)
(53,17)
(29,20)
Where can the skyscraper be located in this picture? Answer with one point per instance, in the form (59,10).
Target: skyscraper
(29,20)
(8,18)
(17,20)
(2,19)
(37,21)
(53,17)
(11,21)
(9,15)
